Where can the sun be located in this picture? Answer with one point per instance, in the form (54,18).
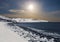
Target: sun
(30,7)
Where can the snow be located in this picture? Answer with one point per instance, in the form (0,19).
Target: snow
(13,33)
(3,17)
(23,19)
(56,35)
(30,36)
(27,20)
(7,35)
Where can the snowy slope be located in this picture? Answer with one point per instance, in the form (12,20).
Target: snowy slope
(7,35)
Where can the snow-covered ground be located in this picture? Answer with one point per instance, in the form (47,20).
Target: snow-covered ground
(6,35)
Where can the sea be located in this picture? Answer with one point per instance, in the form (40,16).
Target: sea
(49,29)
(46,26)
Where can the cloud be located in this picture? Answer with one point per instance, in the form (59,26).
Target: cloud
(16,11)
(50,16)
(54,14)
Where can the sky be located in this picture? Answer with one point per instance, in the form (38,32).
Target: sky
(45,9)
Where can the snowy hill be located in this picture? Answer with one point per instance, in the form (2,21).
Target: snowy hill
(21,19)
(27,20)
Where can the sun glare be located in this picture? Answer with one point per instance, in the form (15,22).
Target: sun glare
(30,7)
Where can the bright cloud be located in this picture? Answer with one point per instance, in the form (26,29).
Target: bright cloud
(17,11)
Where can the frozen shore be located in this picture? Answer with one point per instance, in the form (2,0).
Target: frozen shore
(6,35)
(10,32)
(19,34)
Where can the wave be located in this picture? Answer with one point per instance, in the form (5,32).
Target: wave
(56,35)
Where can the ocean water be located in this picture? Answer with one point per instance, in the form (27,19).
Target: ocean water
(43,29)
(50,29)
(47,26)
